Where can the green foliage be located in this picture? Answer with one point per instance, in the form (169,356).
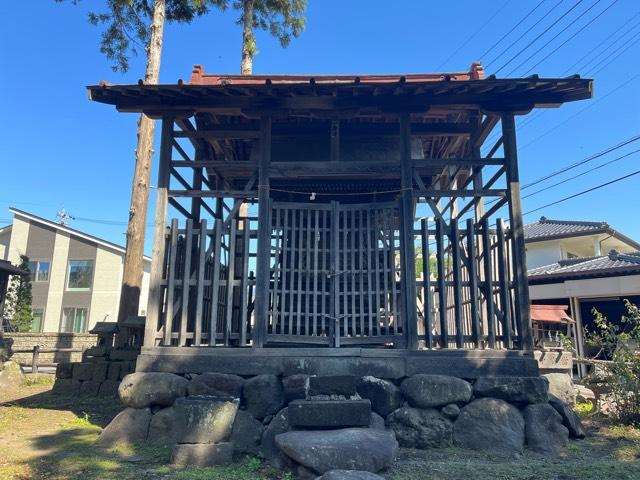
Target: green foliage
(283,19)
(18,303)
(619,343)
(127,24)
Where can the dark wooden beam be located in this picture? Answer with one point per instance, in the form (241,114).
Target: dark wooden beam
(154,306)
(407,248)
(517,232)
(264,235)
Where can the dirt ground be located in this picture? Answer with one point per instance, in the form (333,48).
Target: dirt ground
(43,436)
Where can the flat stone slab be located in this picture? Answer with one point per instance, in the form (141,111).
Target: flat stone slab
(332,385)
(206,419)
(513,389)
(429,391)
(202,455)
(329,413)
(363,449)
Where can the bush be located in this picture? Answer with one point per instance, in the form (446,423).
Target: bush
(619,344)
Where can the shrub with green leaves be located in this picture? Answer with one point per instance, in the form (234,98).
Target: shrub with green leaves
(620,344)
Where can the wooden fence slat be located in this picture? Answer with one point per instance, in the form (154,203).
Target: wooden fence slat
(215,280)
(307,272)
(279,248)
(427,301)
(377,268)
(503,276)
(231,271)
(488,284)
(244,293)
(171,280)
(292,253)
(316,270)
(442,292)
(186,277)
(299,251)
(369,274)
(473,282)
(457,287)
(202,261)
(385,273)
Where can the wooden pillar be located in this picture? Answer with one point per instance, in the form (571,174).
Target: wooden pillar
(407,247)
(517,234)
(264,235)
(154,307)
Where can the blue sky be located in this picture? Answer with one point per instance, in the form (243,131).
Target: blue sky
(59,149)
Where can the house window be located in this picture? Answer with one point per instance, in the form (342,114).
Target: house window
(74,320)
(80,275)
(39,271)
(38,316)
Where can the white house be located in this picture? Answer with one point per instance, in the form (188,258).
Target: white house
(76,277)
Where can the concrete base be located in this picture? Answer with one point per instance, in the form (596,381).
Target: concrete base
(381,363)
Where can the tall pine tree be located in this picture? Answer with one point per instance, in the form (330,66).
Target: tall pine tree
(284,19)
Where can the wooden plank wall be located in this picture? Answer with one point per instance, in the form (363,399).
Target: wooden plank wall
(473,278)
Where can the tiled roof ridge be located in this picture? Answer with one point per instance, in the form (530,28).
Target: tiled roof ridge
(573,222)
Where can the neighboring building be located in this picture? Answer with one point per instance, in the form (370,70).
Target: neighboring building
(76,277)
(548,241)
(567,267)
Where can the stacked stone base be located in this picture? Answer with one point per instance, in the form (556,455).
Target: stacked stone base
(92,378)
(315,424)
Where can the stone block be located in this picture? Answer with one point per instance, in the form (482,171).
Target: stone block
(263,395)
(421,428)
(272,454)
(202,455)
(100,372)
(296,387)
(166,427)
(332,385)
(127,355)
(67,387)
(82,371)
(206,419)
(141,390)
(90,388)
(429,391)
(128,427)
(329,414)
(109,389)
(363,449)
(513,389)
(114,371)
(569,418)
(246,434)
(216,384)
(544,430)
(384,395)
(64,370)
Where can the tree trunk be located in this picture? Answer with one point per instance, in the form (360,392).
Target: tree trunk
(248,41)
(134,256)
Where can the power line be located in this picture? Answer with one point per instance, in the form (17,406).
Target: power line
(539,36)
(572,36)
(512,29)
(545,15)
(613,34)
(615,57)
(581,162)
(581,174)
(473,35)
(602,185)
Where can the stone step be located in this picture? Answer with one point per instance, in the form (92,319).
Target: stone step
(329,413)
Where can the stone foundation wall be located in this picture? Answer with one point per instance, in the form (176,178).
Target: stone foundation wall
(313,424)
(49,340)
(92,378)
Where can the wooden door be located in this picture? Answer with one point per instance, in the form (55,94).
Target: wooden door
(334,274)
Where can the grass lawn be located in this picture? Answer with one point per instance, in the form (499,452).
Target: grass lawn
(43,436)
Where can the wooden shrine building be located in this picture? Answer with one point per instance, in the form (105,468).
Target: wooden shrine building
(351,219)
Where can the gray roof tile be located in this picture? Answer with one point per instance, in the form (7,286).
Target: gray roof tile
(547,228)
(613,264)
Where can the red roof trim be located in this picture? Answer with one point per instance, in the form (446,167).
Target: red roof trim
(550,314)
(199,77)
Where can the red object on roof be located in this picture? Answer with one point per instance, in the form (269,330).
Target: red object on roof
(199,77)
(550,314)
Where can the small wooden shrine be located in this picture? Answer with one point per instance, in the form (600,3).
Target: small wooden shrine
(354,213)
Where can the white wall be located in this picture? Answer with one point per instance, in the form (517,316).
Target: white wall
(591,287)
(57,275)
(542,253)
(18,244)
(5,241)
(105,294)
